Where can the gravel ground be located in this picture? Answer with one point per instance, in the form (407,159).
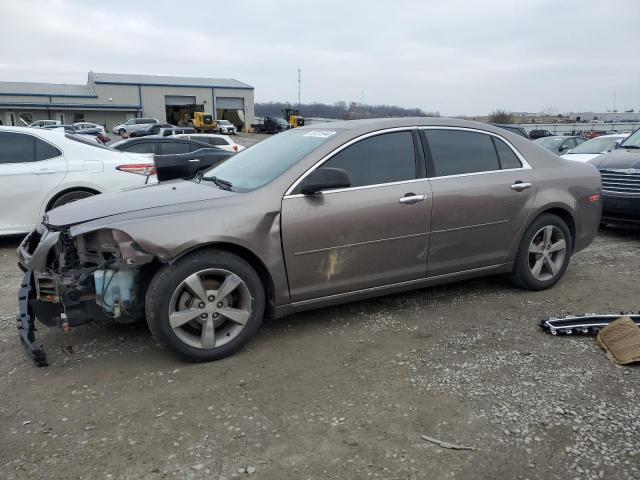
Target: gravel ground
(342,392)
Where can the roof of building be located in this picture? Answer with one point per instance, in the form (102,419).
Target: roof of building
(164,80)
(46,89)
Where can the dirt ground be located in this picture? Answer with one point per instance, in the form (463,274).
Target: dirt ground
(340,393)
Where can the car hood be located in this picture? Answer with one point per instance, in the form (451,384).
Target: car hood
(170,193)
(619,158)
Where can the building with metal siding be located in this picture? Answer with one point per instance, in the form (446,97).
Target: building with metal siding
(108,99)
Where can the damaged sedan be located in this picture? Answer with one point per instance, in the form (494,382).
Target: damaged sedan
(312,217)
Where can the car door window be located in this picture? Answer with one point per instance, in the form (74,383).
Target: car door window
(385,158)
(142,147)
(169,148)
(17,148)
(508,159)
(456,152)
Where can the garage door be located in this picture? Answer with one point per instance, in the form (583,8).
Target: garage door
(229,103)
(177,100)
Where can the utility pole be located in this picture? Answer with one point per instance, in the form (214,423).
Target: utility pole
(299,83)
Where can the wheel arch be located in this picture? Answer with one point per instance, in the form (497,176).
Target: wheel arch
(247,255)
(57,195)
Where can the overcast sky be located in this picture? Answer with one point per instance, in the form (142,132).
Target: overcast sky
(453,56)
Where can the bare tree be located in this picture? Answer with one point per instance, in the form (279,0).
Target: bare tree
(500,116)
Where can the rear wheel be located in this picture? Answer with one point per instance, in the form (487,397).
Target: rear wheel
(206,306)
(122,131)
(544,253)
(70,197)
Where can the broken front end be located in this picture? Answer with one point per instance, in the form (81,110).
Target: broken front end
(100,275)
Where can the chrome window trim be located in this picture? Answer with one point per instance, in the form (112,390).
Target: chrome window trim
(328,157)
(525,164)
(363,187)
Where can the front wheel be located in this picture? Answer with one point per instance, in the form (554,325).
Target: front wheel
(206,306)
(544,253)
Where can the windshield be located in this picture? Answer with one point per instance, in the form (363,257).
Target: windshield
(633,140)
(597,145)
(224,122)
(261,163)
(549,142)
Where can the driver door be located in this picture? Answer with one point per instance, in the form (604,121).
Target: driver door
(373,233)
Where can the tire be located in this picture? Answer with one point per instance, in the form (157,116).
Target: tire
(122,131)
(534,251)
(168,296)
(70,197)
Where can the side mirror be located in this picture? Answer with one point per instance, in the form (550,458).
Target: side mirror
(325,179)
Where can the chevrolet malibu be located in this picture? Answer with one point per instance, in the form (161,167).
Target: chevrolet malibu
(312,217)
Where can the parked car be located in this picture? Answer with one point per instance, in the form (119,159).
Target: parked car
(270,125)
(133,124)
(220,141)
(539,133)
(87,125)
(517,129)
(42,123)
(315,216)
(160,145)
(226,127)
(620,171)
(42,169)
(595,133)
(95,134)
(151,129)
(168,132)
(559,145)
(596,146)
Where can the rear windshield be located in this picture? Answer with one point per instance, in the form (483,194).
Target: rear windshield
(86,141)
(261,163)
(549,142)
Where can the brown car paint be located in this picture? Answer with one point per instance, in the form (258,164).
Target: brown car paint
(346,245)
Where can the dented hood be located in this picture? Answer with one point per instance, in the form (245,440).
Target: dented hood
(142,198)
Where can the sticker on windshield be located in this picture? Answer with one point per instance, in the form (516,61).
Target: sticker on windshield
(320,133)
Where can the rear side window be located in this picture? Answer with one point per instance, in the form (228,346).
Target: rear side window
(143,147)
(169,148)
(385,158)
(508,159)
(455,152)
(214,140)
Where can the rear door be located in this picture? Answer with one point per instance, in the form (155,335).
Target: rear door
(374,233)
(30,168)
(482,191)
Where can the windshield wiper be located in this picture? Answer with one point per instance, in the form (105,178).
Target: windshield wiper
(223,184)
(630,146)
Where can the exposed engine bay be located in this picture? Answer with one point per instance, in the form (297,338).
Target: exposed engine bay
(100,275)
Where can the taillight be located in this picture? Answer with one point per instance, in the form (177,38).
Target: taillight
(145,169)
(235,148)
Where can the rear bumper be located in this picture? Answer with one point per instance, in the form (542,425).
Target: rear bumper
(621,208)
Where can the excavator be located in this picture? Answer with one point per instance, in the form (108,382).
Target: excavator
(292,117)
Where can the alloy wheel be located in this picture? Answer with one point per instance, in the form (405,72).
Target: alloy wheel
(547,252)
(209,308)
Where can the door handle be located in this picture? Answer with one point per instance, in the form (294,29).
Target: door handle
(410,198)
(520,186)
(44,171)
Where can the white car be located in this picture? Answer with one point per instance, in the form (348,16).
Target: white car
(133,124)
(85,125)
(220,141)
(42,123)
(42,169)
(226,127)
(594,147)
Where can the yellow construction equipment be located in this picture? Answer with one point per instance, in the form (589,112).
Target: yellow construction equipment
(293,118)
(202,122)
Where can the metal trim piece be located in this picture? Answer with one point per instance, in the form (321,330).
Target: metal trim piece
(348,245)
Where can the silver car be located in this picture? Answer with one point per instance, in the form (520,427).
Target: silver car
(133,124)
(314,216)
